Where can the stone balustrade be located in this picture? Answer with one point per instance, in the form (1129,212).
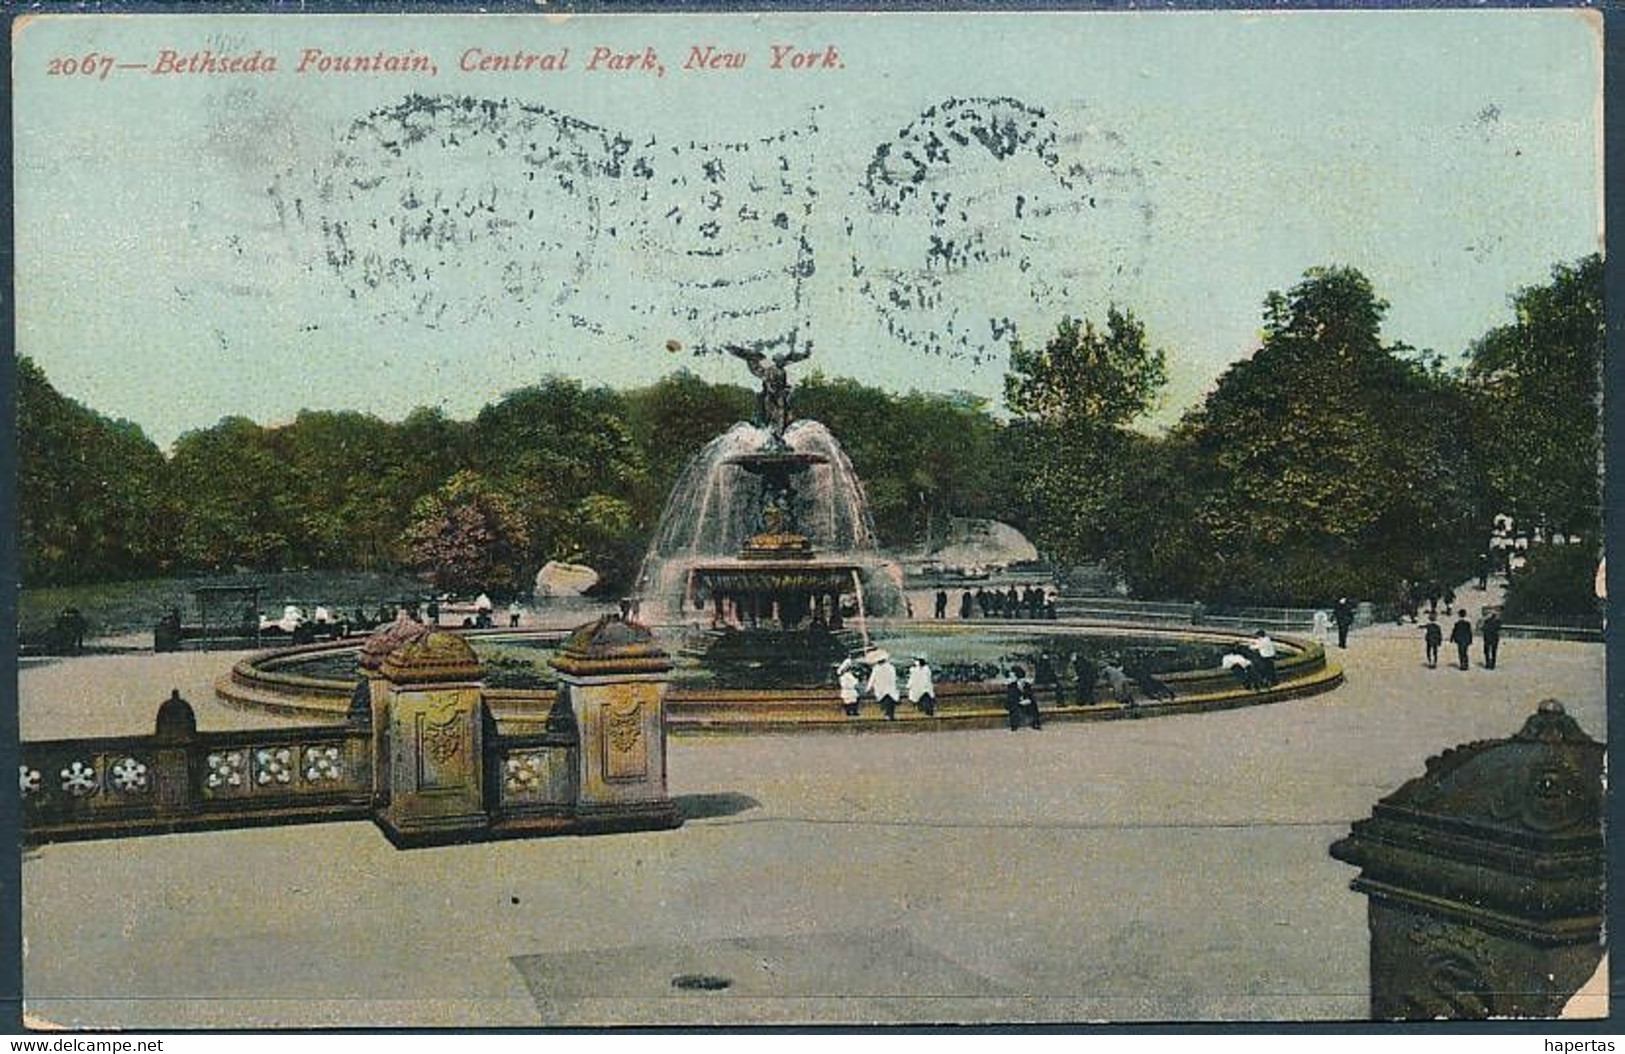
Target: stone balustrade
(417,751)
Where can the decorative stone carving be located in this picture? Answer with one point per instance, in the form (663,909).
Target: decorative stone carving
(433,658)
(624,727)
(441,740)
(28,780)
(129,775)
(610,646)
(538,782)
(404,630)
(79,779)
(176,721)
(523,773)
(323,764)
(225,770)
(273,765)
(1455,967)
(625,756)
(1485,876)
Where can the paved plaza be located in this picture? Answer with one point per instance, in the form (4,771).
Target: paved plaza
(1172,868)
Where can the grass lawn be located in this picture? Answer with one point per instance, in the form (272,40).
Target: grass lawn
(114,608)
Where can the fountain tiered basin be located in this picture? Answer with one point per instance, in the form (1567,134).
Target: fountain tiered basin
(762,576)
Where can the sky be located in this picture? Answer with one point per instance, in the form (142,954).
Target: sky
(923,188)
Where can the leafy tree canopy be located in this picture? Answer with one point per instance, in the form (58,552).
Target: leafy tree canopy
(468,537)
(1072,400)
(1084,377)
(1538,381)
(1327,463)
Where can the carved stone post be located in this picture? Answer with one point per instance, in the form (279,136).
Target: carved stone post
(1485,877)
(372,694)
(615,675)
(436,725)
(173,788)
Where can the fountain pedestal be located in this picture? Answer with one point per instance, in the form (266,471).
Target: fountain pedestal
(778,576)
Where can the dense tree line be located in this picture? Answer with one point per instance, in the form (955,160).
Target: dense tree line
(1327,462)
(553,471)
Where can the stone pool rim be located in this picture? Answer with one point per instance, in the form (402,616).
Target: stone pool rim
(255,682)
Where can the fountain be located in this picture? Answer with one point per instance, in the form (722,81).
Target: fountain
(763,573)
(766,541)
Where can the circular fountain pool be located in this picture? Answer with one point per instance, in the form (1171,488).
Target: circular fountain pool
(719,692)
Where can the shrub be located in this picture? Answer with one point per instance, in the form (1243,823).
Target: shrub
(1557,580)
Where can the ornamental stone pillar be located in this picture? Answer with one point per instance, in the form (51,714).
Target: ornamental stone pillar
(1485,877)
(174,789)
(615,675)
(370,700)
(434,736)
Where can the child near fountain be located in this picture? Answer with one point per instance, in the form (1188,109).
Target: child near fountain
(883,684)
(847,677)
(921,691)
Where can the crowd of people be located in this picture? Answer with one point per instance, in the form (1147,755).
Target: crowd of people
(1032,602)
(1462,636)
(1066,681)
(307,623)
(1411,596)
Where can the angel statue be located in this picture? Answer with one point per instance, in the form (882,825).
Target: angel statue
(773,401)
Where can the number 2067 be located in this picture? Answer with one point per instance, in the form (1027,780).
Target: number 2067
(89,65)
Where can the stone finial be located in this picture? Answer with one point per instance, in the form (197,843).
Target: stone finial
(1492,820)
(611,645)
(176,719)
(435,657)
(1550,723)
(1486,876)
(387,638)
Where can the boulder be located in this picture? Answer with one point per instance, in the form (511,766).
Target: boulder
(977,545)
(557,579)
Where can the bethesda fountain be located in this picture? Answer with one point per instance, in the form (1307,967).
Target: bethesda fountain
(766,543)
(763,573)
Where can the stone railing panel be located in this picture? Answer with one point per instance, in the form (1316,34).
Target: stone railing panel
(534,773)
(179,779)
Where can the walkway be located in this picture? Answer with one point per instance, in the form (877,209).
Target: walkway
(1167,869)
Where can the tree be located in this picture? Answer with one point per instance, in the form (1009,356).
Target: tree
(1537,381)
(235,502)
(1085,378)
(468,537)
(549,446)
(1073,400)
(351,508)
(1326,464)
(89,490)
(676,416)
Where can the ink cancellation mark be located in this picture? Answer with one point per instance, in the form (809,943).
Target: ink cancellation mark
(1046,198)
(591,227)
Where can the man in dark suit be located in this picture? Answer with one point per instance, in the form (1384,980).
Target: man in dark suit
(1461,635)
(942,603)
(1085,674)
(1492,638)
(1020,702)
(1432,637)
(1343,615)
